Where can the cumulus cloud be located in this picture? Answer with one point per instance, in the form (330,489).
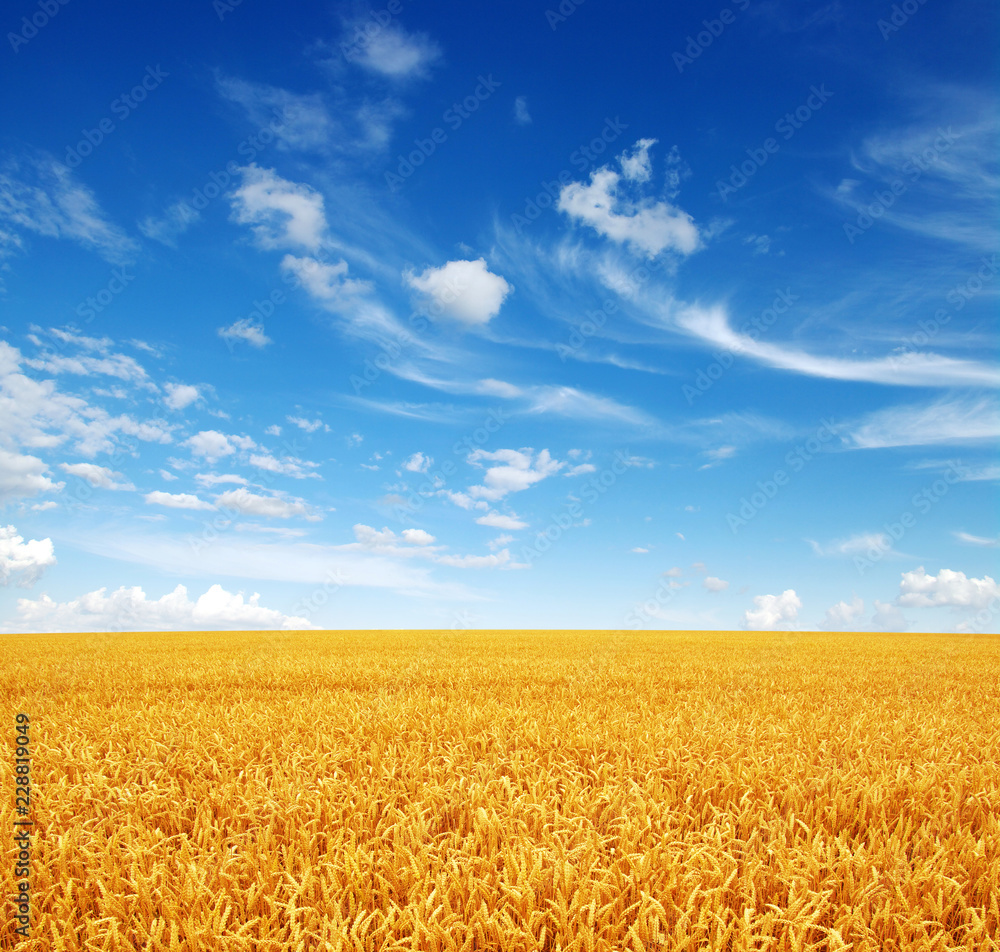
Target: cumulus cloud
(289,466)
(636,165)
(326,282)
(212,445)
(645,225)
(418,463)
(466,291)
(270,507)
(309,426)
(176,500)
(843,615)
(500,521)
(518,470)
(180,395)
(773,611)
(129,609)
(25,561)
(714,584)
(247,331)
(947,588)
(100,477)
(417,537)
(279,212)
(23,476)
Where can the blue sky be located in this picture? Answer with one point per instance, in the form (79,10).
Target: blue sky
(499,316)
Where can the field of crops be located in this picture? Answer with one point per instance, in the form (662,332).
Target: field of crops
(506,790)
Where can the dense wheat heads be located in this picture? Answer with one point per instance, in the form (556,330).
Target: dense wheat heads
(516,791)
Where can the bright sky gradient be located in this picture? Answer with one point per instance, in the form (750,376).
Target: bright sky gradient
(499,315)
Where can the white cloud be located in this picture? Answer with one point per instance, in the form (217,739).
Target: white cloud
(418,463)
(305,123)
(25,560)
(180,395)
(271,507)
(280,213)
(580,470)
(326,282)
(951,420)
(521,115)
(247,331)
(310,426)
(41,195)
(23,476)
(396,54)
(113,365)
(176,219)
(888,617)
(499,521)
(854,545)
(176,500)
(516,473)
(464,290)
(910,369)
(636,165)
(417,537)
(212,445)
(761,243)
(128,609)
(977,540)
(675,572)
(714,584)
(208,480)
(639,550)
(947,588)
(843,616)
(773,611)
(646,226)
(500,541)
(100,477)
(289,466)
(273,430)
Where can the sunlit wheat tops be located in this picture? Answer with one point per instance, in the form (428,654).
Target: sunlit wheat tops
(516,791)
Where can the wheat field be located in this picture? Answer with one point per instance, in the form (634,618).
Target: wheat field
(507,790)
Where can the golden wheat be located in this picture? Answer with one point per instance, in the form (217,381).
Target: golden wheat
(508,790)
